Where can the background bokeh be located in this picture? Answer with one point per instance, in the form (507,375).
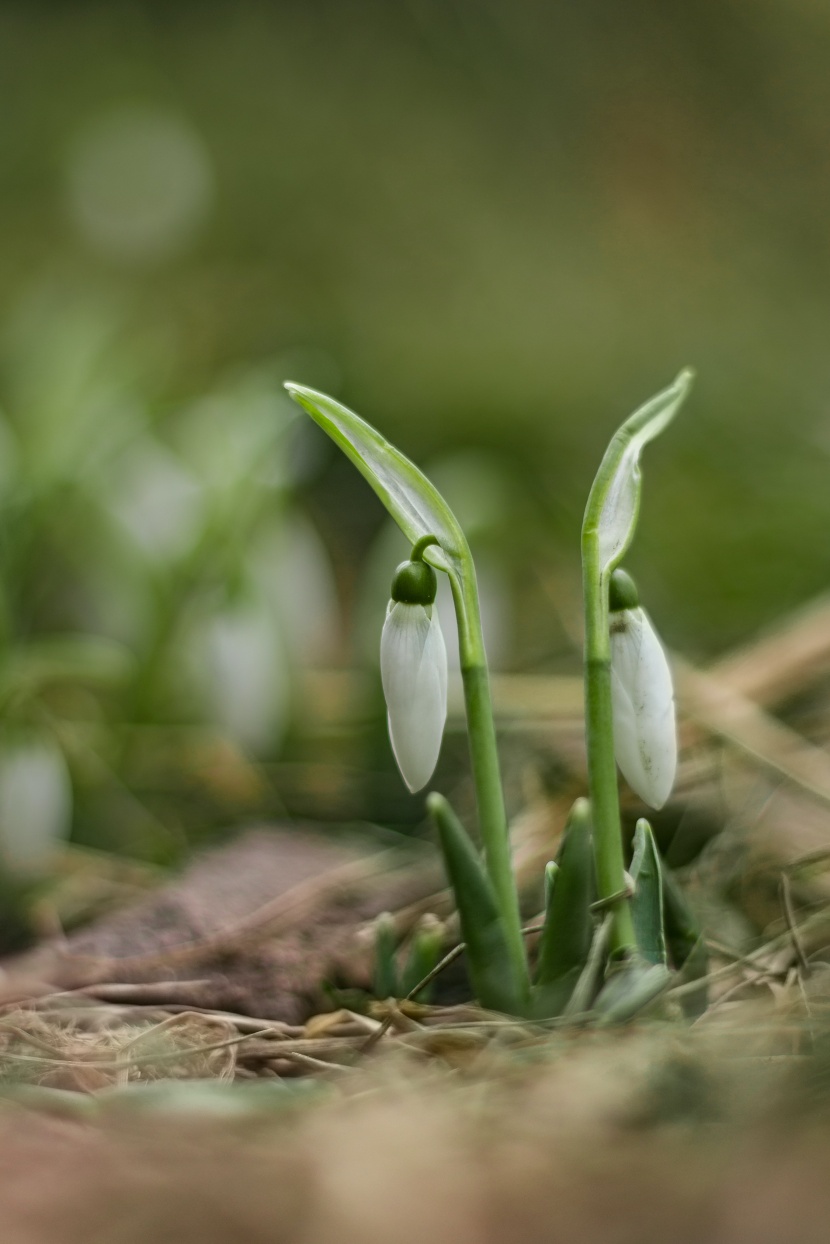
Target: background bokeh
(493,228)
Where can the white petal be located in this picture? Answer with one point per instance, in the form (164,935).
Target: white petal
(645,732)
(413,668)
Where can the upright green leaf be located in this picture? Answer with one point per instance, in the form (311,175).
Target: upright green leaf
(647,900)
(424,954)
(488,958)
(565,941)
(614,500)
(385,983)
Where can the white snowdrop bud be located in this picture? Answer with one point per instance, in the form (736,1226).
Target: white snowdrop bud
(413,668)
(642,696)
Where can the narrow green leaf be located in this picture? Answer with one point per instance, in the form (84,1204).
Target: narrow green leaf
(385,984)
(647,901)
(565,941)
(614,500)
(424,953)
(414,503)
(488,956)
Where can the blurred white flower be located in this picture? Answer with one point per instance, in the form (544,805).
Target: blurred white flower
(242,673)
(140,183)
(291,567)
(35,803)
(645,731)
(413,667)
(157,500)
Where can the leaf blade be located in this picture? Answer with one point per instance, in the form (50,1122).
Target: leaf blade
(488,957)
(647,901)
(565,940)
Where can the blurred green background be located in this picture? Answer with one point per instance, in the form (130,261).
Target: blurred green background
(493,228)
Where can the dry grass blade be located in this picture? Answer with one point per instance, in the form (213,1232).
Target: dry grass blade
(180,1046)
(728,715)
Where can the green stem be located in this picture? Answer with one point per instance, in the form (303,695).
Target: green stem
(492,817)
(599,737)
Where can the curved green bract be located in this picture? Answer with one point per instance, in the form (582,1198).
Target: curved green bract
(415,504)
(614,500)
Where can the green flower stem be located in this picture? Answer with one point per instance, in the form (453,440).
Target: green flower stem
(492,817)
(599,736)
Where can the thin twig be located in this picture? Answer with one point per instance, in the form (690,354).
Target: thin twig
(818,920)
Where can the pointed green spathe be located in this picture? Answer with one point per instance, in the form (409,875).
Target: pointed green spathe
(614,501)
(414,503)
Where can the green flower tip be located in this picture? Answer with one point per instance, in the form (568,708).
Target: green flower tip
(436,804)
(415,583)
(622,592)
(303,395)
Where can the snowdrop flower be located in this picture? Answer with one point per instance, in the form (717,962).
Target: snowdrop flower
(642,696)
(413,668)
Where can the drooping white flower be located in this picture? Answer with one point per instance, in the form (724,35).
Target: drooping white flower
(642,696)
(413,667)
